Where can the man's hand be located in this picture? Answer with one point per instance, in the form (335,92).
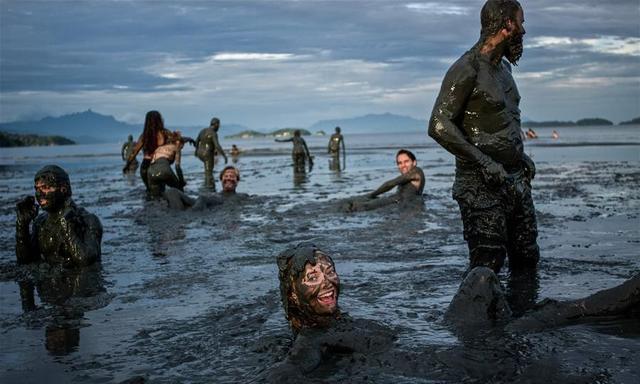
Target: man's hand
(493,172)
(26,209)
(529,167)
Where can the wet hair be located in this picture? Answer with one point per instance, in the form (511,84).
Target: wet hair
(214,121)
(296,132)
(495,14)
(228,167)
(406,152)
(291,263)
(338,129)
(53,175)
(153,124)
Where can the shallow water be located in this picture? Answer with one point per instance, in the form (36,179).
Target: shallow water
(193,297)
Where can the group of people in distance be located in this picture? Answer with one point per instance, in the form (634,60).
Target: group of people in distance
(475,117)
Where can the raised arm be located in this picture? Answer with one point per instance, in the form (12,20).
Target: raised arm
(27,250)
(82,237)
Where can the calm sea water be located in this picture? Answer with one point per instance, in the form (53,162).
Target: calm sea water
(188,296)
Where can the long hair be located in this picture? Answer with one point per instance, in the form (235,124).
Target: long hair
(153,124)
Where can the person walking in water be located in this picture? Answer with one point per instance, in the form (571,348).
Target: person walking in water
(127,149)
(300,151)
(153,136)
(207,145)
(477,119)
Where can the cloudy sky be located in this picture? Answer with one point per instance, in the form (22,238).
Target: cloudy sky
(290,63)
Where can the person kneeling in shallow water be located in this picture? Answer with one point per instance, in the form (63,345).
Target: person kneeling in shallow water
(64,234)
(410,185)
(309,289)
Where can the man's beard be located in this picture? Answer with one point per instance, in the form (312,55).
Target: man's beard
(514,49)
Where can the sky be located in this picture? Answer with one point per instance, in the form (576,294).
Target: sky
(283,63)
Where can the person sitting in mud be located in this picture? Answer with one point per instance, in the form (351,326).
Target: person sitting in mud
(160,174)
(309,289)
(207,147)
(481,301)
(410,185)
(300,151)
(229,178)
(64,234)
(127,150)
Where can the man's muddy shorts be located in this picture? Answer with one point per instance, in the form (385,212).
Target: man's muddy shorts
(498,221)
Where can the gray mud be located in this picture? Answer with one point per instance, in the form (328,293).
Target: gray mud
(193,296)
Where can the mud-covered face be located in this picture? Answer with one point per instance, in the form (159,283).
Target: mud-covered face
(318,287)
(405,164)
(229,180)
(514,48)
(49,196)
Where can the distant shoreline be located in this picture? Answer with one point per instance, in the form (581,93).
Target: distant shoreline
(9,140)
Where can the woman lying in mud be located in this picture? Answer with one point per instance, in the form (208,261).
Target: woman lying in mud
(310,287)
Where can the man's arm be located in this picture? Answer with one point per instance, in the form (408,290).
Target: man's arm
(122,151)
(344,151)
(27,250)
(456,88)
(284,140)
(387,186)
(306,150)
(82,237)
(216,143)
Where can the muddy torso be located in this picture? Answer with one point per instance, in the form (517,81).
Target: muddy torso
(207,140)
(415,186)
(298,146)
(491,119)
(334,143)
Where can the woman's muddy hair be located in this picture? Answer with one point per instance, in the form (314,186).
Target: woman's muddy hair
(153,124)
(495,14)
(54,175)
(291,263)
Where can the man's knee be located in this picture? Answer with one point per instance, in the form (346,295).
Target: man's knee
(487,255)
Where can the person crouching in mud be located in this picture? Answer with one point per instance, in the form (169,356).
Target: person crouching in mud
(309,289)
(64,234)
(160,174)
(410,185)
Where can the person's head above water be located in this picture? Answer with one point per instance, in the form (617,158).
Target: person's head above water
(229,177)
(215,123)
(52,187)
(504,17)
(309,286)
(405,160)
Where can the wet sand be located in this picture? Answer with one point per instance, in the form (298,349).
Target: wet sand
(193,296)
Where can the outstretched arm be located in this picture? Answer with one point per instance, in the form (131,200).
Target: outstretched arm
(284,140)
(457,86)
(387,186)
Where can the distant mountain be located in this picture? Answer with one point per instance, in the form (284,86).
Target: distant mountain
(91,127)
(82,127)
(372,123)
(631,122)
(18,140)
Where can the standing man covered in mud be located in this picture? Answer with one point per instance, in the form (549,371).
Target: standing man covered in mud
(335,142)
(476,117)
(299,153)
(64,234)
(207,145)
(127,149)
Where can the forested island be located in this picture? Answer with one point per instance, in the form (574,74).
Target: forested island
(284,132)
(631,122)
(579,123)
(17,140)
